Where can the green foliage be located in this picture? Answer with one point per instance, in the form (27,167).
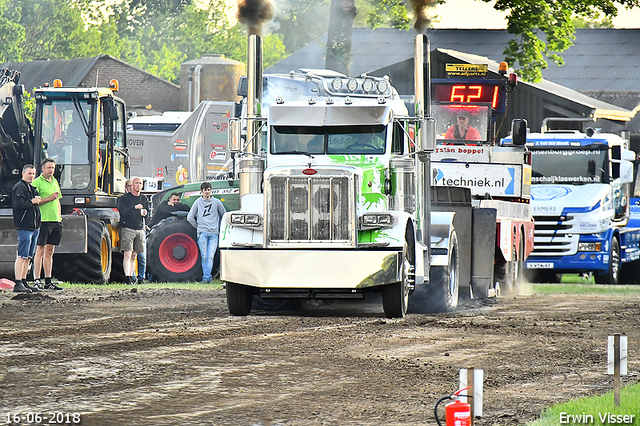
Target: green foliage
(594,406)
(579,22)
(155,35)
(297,22)
(12,34)
(544,29)
(29,105)
(389,13)
(566,288)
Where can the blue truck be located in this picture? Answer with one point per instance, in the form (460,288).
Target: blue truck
(586,219)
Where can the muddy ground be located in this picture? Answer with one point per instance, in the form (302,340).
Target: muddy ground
(144,356)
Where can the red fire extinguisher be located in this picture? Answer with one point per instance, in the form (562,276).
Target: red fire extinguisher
(457,413)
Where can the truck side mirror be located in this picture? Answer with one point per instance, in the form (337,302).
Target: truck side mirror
(428,135)
(235,130)
(519,131)
(626,171)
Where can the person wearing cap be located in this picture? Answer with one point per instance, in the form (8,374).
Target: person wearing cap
(462,130)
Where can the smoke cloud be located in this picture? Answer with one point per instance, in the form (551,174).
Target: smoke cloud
(420,10)
(254,13)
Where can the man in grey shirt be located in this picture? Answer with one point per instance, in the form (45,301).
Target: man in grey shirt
(205,215)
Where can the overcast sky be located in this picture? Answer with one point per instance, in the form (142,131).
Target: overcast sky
(478,14)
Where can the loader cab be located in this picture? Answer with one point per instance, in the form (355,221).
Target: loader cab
(83,130)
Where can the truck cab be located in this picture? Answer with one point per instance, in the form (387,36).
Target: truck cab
(581,204)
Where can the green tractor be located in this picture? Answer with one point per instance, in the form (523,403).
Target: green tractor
(172,244)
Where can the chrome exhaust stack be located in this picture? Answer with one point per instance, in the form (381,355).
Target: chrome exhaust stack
(426,136)
(251,165)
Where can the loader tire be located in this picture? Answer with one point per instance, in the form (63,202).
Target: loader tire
(93,267)
(172,251)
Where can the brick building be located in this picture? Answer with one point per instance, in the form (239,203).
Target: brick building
(143,92)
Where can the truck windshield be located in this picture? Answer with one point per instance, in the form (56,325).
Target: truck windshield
(64,129)
(569,166)
(328,140)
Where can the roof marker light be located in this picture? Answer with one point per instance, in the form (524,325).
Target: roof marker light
(57,83)
(502,68)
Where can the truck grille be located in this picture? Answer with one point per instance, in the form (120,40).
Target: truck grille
(554,236)
(309,209)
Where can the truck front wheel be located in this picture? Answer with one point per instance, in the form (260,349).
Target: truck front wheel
(613,274)
(239,299)
(395,297)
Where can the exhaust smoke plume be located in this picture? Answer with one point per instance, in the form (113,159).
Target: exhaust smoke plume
(254,13)
(420,9)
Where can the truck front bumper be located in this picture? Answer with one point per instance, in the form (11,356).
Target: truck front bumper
(579,262)
(310,269)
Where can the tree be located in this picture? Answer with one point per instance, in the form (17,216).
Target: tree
(542,29)
(155,35)
(12,34)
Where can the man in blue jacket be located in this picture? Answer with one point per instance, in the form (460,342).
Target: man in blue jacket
(205,215)
(26,218)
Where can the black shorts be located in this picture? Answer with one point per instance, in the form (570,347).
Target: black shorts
(50,233)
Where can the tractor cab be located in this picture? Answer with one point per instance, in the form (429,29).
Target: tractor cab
(83,130)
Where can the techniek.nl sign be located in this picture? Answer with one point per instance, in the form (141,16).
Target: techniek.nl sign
(492,179)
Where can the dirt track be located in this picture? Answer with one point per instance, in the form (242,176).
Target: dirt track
(175,357)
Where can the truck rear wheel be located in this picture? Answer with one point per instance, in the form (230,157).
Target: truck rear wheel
(239,299)
(441,294)
(172,251)
(93,266)
(613,274)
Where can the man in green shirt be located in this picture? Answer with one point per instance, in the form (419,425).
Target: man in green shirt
(51,227)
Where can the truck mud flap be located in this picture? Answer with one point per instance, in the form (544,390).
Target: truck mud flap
(483,250)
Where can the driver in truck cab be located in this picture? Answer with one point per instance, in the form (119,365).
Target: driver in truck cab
(463,130)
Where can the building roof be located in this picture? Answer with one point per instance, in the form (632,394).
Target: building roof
(601,59)
(604,59)
(71,71)
(37,73)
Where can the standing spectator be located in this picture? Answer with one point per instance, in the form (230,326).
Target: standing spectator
(26,218)
(133,208)
(167,208)
(141,257)
(205,215)
(51,227)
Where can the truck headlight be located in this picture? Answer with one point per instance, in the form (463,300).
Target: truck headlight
(247,219)
(589,246)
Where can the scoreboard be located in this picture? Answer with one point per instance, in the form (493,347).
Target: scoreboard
(464,91)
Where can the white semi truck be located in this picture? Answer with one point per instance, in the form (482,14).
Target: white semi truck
(335,194)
